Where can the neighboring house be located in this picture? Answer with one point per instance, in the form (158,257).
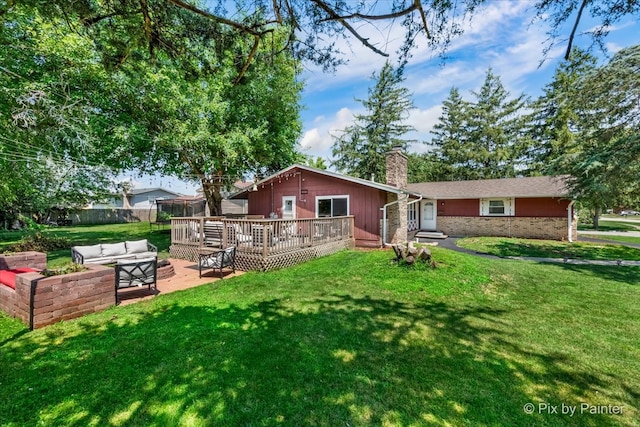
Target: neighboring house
(536,207)
(143,198)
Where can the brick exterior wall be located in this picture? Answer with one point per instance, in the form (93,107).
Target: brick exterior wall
(526,227)
(57,298)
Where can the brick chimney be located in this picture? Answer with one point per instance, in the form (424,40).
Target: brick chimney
(397,226)
(396,163)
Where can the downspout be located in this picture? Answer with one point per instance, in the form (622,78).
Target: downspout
(384,221)
(570,221)
(384,217)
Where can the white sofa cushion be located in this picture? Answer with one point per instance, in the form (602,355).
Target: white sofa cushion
(136,246)
(88,252)
(113,249)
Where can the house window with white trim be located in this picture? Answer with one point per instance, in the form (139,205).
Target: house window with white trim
(328,206)
(497,207)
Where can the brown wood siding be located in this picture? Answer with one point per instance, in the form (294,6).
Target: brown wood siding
(364,202)
(542,207)
(547,207)
(459,207)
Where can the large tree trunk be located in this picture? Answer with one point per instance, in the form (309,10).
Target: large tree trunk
(211,187)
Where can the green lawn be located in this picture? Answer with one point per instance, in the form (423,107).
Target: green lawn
(349,339)
(94,234)
(610,226)
(507,246)
(616,238)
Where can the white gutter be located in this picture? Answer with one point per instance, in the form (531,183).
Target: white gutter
(570,221)
(384,216)
(384,221)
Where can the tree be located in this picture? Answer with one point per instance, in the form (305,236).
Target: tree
(312,26)
(360,149)
(90,104)
(425,167)
(206,127)
(48,78)
(496,145)
(451,143)
(603,160)
(315,162)
(556,118)
(482,139)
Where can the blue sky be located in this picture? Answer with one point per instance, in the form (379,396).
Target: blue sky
(501,36)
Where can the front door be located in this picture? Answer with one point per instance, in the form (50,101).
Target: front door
(288,207)
(428,215)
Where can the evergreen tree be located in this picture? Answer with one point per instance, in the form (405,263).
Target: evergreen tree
(556,116)
(360,149)
(451,142)
(603,160)
(481,139)
(494,129)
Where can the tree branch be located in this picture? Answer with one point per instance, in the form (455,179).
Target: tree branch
(575,27)
(198,11)
(245,66)
(335,17)
(418,6)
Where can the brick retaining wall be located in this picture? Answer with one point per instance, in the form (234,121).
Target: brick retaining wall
(525,227)
(40,301)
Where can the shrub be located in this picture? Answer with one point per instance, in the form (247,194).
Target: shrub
(65,269)
(39,242)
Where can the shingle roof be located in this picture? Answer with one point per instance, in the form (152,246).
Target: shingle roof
(361,181)
(538,186)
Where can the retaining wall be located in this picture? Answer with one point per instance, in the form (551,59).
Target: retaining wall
(40,301)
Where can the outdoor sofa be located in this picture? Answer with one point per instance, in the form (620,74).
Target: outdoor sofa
(109,253)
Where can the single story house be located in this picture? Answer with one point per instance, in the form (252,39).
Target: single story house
(536,207)
(142,198)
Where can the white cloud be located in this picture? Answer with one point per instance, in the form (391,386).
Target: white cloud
(318,140)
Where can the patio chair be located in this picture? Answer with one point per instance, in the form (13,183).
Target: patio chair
(142,272)
(218,260)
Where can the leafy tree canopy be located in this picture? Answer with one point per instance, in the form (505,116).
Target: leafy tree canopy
(312,26)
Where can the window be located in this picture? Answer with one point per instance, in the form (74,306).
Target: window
(328,206)
(497,207)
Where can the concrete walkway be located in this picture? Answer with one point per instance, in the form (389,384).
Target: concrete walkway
(451,243)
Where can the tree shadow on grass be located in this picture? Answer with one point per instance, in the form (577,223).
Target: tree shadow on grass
(332,360)
(629,275)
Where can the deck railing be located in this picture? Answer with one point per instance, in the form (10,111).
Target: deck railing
(260,236)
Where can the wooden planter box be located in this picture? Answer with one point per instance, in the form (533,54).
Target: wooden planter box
(39,301)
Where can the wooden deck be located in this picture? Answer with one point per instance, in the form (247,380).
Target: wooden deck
(262,244)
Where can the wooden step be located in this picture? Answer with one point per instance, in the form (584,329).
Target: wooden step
(431,235)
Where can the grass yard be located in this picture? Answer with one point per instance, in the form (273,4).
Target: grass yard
(508,246)
(610,225)
(92,235)
(346,340)
(615,238)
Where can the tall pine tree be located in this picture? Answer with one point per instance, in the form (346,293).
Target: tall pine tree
(360,149)
(451,144)
(494,129)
